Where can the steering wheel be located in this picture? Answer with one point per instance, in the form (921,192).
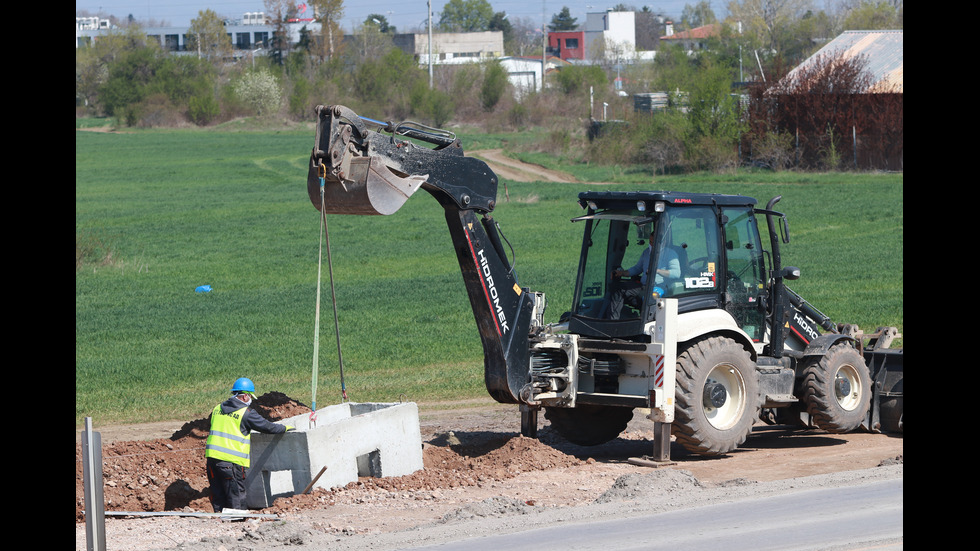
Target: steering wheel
(699,264)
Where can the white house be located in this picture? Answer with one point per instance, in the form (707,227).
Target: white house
(524,73)
(610,36)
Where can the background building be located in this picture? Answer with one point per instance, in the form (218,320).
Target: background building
(567,45)
(450,48)
(249,33)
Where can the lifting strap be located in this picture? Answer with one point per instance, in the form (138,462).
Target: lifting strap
(325,239)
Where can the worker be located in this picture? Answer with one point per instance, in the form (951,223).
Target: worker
(227,447)
(626,290)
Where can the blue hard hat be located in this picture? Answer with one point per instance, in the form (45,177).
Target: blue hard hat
(243,384)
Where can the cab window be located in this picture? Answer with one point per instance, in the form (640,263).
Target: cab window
(692,234)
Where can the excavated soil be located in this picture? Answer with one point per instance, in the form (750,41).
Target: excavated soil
(476,464)
(167,474)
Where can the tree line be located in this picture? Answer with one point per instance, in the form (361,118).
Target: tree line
(708,124)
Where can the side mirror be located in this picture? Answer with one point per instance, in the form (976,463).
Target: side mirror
(790,273)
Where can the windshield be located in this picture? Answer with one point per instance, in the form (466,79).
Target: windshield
(619,268)
(614,241)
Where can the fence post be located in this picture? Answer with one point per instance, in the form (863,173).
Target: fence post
(854,142)
(796,150)
(92,479)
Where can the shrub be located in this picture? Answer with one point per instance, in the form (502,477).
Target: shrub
(260,91)
(494,84)
(435,106)
(711,153)
(518,115)
(384,86)
(772,150)
(299,98)
(663,141)
(203,109)
(576,79)
(440,107)
(158,111)
(558,143)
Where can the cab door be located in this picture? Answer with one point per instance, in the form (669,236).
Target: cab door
(745,273)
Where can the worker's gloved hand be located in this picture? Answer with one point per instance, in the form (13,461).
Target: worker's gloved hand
(290,428)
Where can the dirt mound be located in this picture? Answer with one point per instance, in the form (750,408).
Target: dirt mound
(448,463)
(167,474)
(490,507)
(649,486)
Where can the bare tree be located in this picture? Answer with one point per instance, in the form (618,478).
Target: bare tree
(649,28)
(207,36)
(329,12)
(698,15)
(280,11)
(527,37)
(767,19)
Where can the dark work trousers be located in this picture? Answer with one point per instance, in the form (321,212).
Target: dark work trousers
(624,290)
(227,482)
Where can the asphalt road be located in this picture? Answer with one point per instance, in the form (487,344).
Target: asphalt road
(863,516)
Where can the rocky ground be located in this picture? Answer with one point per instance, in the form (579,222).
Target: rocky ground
(477,466)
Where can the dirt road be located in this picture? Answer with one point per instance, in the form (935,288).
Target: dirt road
(480,472)
(508,168)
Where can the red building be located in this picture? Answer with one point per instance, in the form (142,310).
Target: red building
(567,44)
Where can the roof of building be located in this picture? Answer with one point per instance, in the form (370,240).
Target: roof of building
(553,60)
(697,33)
(882,49)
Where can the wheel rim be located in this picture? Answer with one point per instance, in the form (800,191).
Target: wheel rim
(847,387)
(728,413)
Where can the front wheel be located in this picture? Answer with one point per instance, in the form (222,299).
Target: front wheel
(717,396)
(837,389)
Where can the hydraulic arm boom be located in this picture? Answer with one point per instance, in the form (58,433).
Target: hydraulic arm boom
(355,170)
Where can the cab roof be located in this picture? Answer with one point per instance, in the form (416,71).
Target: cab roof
(628,199)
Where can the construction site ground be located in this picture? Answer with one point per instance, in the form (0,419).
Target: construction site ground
(477,467)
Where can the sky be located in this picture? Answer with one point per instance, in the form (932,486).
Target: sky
(404,15)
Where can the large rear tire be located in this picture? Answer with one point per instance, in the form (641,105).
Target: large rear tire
(837,389)
(717,396)
(589,425)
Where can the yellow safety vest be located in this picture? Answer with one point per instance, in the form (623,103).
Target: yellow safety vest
(225,441)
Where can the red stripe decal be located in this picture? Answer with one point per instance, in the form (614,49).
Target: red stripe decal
(658,372)
(483,282)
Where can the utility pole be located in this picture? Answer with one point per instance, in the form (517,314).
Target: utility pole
(544,44)
(429,4)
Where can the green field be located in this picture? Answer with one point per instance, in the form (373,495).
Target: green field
(159,213)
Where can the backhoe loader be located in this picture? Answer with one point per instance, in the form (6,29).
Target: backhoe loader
(698,326)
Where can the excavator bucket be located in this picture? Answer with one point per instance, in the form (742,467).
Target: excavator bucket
(345,177)
(367,186)
(355,170)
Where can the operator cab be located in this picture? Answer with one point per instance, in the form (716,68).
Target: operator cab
(704,250)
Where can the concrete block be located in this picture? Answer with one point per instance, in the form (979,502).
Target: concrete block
(349,439)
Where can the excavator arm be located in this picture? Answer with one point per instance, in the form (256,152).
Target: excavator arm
(357,170)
